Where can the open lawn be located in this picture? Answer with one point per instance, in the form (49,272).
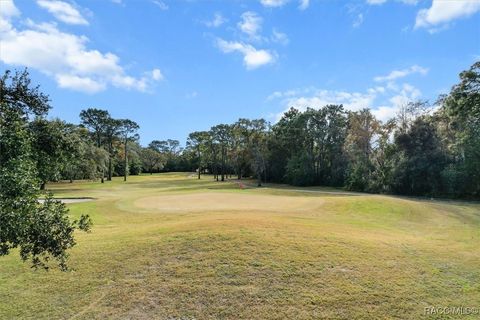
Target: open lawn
(170,246)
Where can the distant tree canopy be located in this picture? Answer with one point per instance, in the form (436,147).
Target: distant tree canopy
(423,151)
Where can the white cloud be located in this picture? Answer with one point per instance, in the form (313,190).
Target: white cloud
(129,82)
(77,83)
(376,90)
(66,58)
(251,23)
(407,93)
(304,4)
(217,21)
(157,75)
(279,37)
(383,100)
(273,3)
(302,99)
(396,74)
(159,3)
(442,12)
(252,57)
(403,95)
(385,113)
(391,99)
(8,9)
(63,11)
(351,100)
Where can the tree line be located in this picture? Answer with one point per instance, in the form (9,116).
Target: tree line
(423,151)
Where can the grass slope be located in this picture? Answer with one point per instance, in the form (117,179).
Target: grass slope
(172,247)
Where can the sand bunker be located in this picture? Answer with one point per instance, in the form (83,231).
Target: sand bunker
(211,201)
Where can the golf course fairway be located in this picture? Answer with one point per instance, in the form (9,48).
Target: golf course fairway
(170,246)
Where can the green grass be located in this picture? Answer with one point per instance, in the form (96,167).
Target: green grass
(170,246)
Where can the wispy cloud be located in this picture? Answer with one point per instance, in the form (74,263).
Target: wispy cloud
(160,4)
(356,13)
(358,20)
(279,37)
(273,3)
(396,74)
(63,11)
(304,4)
(191,95)
(216,22)
(376,2)
(250,24)
(379,2)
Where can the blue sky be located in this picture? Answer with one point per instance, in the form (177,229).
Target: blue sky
(180,66)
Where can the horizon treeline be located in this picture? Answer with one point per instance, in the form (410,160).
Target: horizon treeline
(422,151)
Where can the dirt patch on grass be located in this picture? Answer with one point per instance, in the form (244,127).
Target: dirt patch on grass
(216,201)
